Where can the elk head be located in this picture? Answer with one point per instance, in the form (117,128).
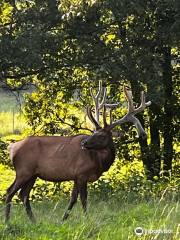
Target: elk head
(102,136)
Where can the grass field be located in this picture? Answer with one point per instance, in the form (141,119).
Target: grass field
(107,219)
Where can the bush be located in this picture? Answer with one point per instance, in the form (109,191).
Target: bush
(128,181)
(4,154)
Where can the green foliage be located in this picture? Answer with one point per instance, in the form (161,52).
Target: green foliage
(44,190)
(6,12)
(129,178)
(4,156)
(51,111)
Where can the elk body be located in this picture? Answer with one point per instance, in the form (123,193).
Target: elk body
(80,158)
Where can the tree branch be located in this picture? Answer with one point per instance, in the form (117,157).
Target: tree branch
(73,125)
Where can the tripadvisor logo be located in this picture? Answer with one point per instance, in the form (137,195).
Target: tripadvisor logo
(138,231)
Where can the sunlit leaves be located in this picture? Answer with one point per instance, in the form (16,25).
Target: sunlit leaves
(6,11)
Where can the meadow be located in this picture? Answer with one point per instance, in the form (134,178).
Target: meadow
(110,218)
(113,213)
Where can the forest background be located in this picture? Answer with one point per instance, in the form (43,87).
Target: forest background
(51,53)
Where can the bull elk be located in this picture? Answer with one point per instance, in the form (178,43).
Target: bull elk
(80,158)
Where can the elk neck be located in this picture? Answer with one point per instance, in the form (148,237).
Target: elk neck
(110,156)
(104,156)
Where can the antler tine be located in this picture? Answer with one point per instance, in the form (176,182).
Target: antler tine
(103,99)
(95,97)
(128,95)
(104,116)
(99,90)
(110,115)
(105,105)
(111,107)
(91,92)
(143,104)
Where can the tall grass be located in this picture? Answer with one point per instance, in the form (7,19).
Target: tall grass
(106,220)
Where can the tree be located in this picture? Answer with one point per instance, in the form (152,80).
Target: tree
(28,44)
(64,47)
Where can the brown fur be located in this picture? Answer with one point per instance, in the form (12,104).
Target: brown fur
(56,159)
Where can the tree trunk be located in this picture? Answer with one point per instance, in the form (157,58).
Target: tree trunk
(145,153)
(168,111)
(155,151)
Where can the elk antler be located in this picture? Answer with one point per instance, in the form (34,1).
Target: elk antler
(132,111)
(111,107)
(102,93)
(98,105)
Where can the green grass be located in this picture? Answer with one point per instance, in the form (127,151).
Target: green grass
(109,216)
(108,219)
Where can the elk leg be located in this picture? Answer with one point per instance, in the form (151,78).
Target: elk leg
(73,200)
(10,194)
(24,196)
(82,187)
(7,201)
